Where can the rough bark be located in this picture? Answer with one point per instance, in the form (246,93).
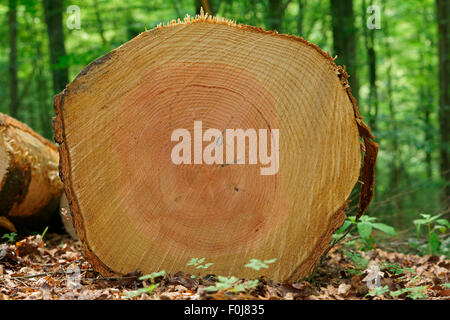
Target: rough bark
(134,209)
(30,187)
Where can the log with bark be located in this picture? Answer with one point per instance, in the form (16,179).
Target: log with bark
(136,209)
(30,187)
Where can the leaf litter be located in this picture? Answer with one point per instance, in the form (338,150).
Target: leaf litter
(55,269)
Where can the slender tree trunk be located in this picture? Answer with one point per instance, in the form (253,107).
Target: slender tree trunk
(101,30)
(53,12)
(176,6)
(344,39)
(396,158)
(275,12)
(13,85)
(369,41)
(443,16)
(206,5)
(428,133)
(301,16)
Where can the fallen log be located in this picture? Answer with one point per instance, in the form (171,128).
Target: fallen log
(30,187)
(143,198)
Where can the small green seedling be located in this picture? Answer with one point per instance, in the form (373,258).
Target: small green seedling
(140,291)
(44,232)
(198,263)
(433,225)
(149,289)
(230,284)
(10,237)
(365,225)
(257,264)
(397,269)
(378,291)
(413,293)
(152,276)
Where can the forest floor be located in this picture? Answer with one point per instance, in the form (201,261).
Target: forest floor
(55,269)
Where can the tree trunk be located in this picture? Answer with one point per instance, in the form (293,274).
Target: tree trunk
(30,187)
(344,39)
(369,41)
(135,208)
(13,91)
(206,5)
(395,154)
(443,16)
(53,11)
(98,17)
(301,16)
(275,13)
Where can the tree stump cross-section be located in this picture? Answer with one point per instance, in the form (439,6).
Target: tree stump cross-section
(135,209)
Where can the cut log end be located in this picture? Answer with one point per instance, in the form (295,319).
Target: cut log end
(135,209)
(30,186)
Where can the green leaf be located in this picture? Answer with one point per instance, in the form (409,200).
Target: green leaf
(345,226)
(378,291)
(205,266)
(364,229)
(385,228)
(434,242)
(153,275)
(270,261)
(443,222)
(442,229)
(138,292)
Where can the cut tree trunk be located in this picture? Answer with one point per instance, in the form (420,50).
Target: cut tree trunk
(135,210)
(30,187)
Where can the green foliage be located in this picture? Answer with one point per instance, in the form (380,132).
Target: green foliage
(397,269)
(230,284)
(136,293)
(257,264)
(378,291)
(148,289)
(10,237)
(44,232)
(358,261)
(365,225)
(153,276)
(433,225)
(198,263)
(413,293)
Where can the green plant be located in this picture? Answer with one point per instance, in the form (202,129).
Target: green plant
(397,269)
(140,291)
(197,262)
(44,232)
(10,237)
(358,261)
(230,284)
(433,225)
(148,289)
(413,293)
(378,291)
(257,264)
(153,276)
(365,225)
